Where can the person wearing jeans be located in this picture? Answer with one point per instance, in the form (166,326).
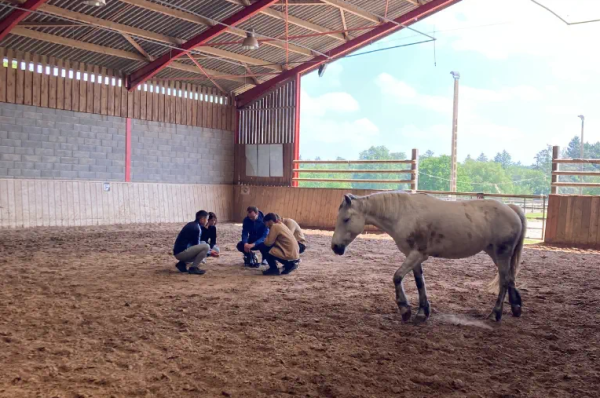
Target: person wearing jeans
(189,248)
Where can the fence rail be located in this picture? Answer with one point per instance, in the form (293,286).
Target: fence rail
(413,171)
(556,173)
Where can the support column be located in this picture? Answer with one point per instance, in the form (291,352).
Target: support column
(297,129)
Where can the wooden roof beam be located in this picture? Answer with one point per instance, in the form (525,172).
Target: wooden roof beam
(137,46)
(16,16)
(61,12)
(147,72)
(32,34)
(352,9)
(295,21)
(186,16)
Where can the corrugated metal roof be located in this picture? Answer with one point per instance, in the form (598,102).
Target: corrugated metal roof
(325,16)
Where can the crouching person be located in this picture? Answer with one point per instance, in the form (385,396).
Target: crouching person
(296,231)
(254,233)
(189,248)
(209,232)
(283,247)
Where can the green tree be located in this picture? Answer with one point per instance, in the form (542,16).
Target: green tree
(482,158)
(380,153)
(503,158)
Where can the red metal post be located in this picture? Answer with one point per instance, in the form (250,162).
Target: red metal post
(17,16)
(377,33)
(297,129)
(128,150)
(147,72)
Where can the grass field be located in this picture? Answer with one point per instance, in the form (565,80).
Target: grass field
(533,216)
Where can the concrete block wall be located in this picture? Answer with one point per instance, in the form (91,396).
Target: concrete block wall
(164,152)
(49,143)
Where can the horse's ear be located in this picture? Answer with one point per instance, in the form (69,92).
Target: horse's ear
(348,199)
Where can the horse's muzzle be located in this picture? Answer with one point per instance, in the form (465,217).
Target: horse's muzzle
(338,249)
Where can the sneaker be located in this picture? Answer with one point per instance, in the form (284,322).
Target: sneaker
(290,268)
(181,266)
(271,271)
(264,262)
(196,271)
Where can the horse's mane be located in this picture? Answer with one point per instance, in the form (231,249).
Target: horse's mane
(384,203)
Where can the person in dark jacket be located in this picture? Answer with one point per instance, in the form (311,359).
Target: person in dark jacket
(189,248)
(209,232)
(254,233)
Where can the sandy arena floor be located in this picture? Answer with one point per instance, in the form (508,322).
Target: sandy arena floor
(102,312)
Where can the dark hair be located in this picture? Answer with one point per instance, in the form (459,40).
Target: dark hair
(270,217)
(201,214)
(211,215)
(252,208)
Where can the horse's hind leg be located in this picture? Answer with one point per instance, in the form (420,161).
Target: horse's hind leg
(503,263)
(412,260)
(420,282)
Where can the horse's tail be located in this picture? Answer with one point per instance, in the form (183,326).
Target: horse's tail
(515,260)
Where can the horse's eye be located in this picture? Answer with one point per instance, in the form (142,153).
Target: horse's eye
(346,220)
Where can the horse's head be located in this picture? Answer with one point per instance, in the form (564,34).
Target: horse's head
(350,223)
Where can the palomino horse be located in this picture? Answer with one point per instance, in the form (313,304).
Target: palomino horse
(424,226)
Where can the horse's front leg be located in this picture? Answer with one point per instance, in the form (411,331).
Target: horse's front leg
(412,260)
(420,282)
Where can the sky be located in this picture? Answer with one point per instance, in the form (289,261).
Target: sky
(525,77)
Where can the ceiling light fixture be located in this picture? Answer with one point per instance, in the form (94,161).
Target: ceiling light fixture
(95,3)
(250,42)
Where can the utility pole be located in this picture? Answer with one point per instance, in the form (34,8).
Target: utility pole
(581,153)
(453,167)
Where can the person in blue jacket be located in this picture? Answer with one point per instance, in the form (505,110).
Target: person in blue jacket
(189,247)
(254,233)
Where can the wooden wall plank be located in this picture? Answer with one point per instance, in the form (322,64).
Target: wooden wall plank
(162,98)
(194,106)
(4,206)
(156,107)
(68,85)
(103,92)
(74,88)
(137,102)
(130,103)
(52,83)
(3,73)
(189,103)
(20,83)
(116,95)
(44,84)
(83,92)
(22,190)
(143,104)
(98,87)
(594,220)
(110,103)
(36,85)
(178,107)
(583,232)
(150,101)
(11,78)
(60,85)
(573,217)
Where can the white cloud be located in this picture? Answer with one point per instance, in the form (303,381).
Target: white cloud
(333,118)
(500,29)
(472,100)
(338,102)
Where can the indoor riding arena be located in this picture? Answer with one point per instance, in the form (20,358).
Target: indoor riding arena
(120,119)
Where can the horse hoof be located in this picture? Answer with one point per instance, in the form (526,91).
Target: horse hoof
(516,310)
(426,311)
(498,315)
(406,313)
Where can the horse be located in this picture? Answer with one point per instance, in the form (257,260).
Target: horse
(423,226)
